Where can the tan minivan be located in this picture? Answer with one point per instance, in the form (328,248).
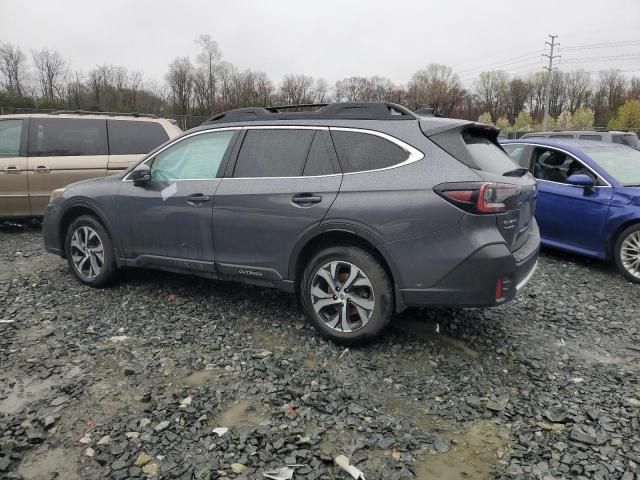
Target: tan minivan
(42,152)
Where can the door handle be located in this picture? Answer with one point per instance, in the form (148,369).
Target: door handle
(41,169)
(198,198)
(306,199)
(12,169)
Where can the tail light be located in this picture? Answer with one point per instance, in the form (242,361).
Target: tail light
(479,197)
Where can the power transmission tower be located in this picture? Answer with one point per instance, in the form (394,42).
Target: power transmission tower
(547,89)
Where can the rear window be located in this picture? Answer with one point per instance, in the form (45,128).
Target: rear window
(486,155)
(358,152)
(273,153)
(10,133)
(597,138)
(630,140)
(128,137)
(49,137)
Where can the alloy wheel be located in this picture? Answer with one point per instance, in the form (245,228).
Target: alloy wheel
(630,253)
(87,252)
(342,296)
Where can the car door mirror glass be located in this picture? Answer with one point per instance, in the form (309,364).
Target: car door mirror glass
(141,174)
(580,180)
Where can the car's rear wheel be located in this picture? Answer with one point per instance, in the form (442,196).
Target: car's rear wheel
(347,294)
(627,253)
(89,251)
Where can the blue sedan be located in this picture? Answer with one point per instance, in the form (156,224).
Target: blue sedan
(588,197)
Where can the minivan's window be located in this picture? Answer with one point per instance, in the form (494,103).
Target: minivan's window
(129,137)
(622,163)
(10,133)
(597,138)
(318,160)
(487,155)
(197,157)
(630,140)
(49,137)
(273,153)
(560,136)
(359,152)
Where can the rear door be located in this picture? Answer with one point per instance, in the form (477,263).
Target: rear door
(63,151)
(282,183)
(14,189)
(130,140)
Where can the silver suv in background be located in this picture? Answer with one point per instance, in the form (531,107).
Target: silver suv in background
(623,138)
(42,152)
(361,209)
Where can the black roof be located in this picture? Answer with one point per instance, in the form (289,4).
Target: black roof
(351,110)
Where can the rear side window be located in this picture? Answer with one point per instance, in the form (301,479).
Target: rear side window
(127,137)
(50,137)
(318,160)
(630,140)
(560,136)
(358,152)
(486,155)
(273,153)
(595,138)
(10,134)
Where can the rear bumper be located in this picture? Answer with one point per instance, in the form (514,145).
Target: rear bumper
(473,282)
(51,229)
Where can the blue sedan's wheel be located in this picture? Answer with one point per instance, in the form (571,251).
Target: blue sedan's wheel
(627,252)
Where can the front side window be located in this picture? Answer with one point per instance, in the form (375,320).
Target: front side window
(52,137)
(622,163)
(359,152)
(273,153)
(131,137)
(516,152)
(195,158)
(10,134)
(555,166)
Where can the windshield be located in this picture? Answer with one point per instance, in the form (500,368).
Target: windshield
(622,163)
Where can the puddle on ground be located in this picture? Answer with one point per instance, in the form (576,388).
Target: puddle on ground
(473,456)
(426,330)
(43,466)
(200,377)
(23,393)
(243,413)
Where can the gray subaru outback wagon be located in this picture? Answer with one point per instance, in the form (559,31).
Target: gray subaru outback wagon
(361,209)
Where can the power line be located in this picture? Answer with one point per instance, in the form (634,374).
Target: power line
(507,61)
(592,46)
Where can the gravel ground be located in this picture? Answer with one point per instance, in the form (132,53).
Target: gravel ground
(134,380)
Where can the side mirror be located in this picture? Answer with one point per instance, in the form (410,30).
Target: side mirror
(581,180)
(141,174)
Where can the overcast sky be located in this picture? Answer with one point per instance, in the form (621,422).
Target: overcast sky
(331,39)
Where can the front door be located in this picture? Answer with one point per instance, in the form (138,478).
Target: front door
(282,184)
(63,151)
(569,215)
(168,221)
(14,189)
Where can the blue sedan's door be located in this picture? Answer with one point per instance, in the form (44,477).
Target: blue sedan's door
(569,216)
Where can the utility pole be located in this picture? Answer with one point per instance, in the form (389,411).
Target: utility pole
(547,90)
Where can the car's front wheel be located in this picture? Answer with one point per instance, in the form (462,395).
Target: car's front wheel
(347,294)
(89,251)
(627,253)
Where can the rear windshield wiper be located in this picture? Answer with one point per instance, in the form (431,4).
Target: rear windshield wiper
(518,172)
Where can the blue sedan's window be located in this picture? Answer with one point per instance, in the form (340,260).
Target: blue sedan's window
(622,163)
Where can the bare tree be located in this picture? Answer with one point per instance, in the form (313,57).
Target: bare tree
(51,70)
(578,89)
(180,81)
(296,89)
(518,93)
(13,68)
(493,90)
(208,60)
(437,86)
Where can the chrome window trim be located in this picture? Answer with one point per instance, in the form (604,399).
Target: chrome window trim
(414,153)
(608,185)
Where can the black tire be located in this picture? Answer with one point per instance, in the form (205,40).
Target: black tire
(371,272)
(108,269)
(633,276)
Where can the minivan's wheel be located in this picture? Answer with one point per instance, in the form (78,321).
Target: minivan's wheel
(347,294)
(627,253)
(89,251)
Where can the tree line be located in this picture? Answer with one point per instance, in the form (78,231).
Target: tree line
(207,84)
